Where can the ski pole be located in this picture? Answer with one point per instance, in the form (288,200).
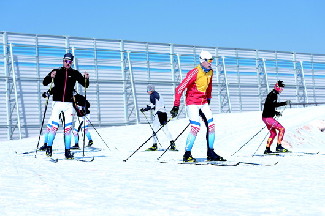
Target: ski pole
(99,134)
(174,141)
(152,129)
(84,132)
(145,142)
(46,104)
(63,125)
(247,142)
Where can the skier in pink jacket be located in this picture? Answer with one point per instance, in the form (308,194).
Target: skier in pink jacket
(198,85)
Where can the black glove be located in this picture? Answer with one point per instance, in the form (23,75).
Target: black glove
(209,100)
(145,109)
(288,102)
(174,111)
(278,113)
(46,94)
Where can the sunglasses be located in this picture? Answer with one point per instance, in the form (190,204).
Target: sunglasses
(68,61)
(209,60)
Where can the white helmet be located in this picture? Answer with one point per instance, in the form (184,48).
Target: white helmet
(204,55)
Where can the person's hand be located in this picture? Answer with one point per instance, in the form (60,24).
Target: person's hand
(288,102)
(86,75)
(174,111)
(142,110)
(278,114)
(209,100)
(46,94)
(53,74)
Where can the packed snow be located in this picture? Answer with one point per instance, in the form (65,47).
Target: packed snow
(290,184)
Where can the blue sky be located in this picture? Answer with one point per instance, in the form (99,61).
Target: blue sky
(283,25)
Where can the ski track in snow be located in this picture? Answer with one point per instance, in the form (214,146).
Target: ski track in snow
(143,186)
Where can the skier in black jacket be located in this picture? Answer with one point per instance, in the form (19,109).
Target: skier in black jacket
(64,80)
(81,106)
(269,112)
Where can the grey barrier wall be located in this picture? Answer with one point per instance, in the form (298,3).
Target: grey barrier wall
(120,71)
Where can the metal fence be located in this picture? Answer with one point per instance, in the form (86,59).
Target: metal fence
(120,71)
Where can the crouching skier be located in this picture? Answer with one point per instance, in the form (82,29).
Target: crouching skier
(269,111)
(64,80)
(160,117)
(198,83)
(81,105)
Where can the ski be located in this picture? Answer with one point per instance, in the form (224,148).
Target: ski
(283,154)
(31,152)
(214,163)
(28,152)
(53,160)
(87,149)
(222,163)
(85,159)
(257,164)
(159,150)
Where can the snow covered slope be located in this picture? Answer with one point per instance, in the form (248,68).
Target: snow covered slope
(292,184)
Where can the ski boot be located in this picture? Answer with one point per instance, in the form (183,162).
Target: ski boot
(153,147)
(187,157)
(279,148)
(76,146)
(90,143)
(43,148)
(49,151)
(68,155)
(212,156)
(268,151)
(172,146)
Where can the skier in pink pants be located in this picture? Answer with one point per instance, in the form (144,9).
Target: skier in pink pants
(268,114)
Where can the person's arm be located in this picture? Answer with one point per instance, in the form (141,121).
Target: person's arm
(190,77)
(83,79)
(48,79)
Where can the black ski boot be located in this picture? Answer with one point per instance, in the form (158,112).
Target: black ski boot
(68,155)
(43,148)
(279,148)
(90,143)
(187,157)
(173,146)
(153,147)
(49,151)
(76,146)
(268,150)
(212,156)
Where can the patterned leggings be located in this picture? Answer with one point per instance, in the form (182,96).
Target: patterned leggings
(273,125)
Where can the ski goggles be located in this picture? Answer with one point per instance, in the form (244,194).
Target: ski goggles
(208,60)
(67,61)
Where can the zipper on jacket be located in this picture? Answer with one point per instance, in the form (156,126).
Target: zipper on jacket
(65,84)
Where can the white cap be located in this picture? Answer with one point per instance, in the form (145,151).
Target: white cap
(150,87)
(205,55)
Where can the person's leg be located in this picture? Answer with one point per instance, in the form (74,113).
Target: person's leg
(270,124)
(56,109)
(163,121)
(77,126)
(87,132)
(207,117)
(193,113)
(68,113)
(155,127)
